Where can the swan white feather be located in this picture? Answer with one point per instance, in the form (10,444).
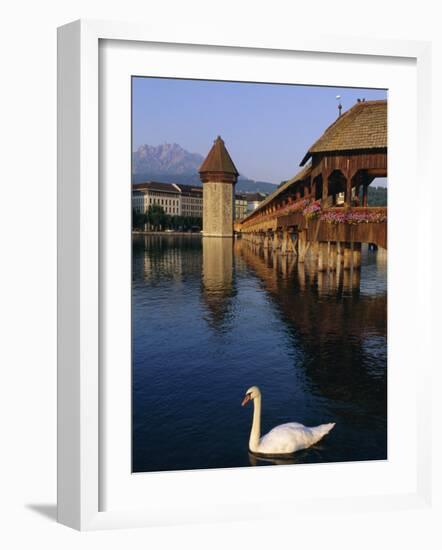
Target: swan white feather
(283,439)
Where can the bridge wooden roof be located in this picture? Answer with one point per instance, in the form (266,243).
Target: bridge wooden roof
(363,127)
(218,160)
(302,174)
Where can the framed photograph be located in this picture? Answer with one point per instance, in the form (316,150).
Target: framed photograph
(234,230)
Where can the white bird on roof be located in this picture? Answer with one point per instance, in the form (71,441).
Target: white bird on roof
(283,439)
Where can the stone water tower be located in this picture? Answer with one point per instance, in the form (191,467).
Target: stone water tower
(219,175)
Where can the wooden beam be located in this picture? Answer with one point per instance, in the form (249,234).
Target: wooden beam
(364,194)
(325,178)
(377,172)
(348,190)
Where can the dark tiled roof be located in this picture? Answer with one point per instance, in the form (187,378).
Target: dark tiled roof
(255,197)
(218,160)
(190,189)
(155,186)
(364,126)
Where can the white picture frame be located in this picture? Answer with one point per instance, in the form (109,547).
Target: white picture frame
(80,293)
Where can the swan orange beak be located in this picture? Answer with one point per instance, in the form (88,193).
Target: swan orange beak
(245,400)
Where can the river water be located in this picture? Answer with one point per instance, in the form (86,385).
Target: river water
(211,317)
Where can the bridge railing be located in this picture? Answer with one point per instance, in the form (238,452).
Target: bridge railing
(355,214)
(257,217)
(309,209)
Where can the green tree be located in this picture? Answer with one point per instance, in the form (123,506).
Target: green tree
(156,216)
(377,196)
(138,220)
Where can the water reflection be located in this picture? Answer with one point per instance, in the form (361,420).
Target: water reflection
(324,313)
(217,280)
(298,458)
(213,316)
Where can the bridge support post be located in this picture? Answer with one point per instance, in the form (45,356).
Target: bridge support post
(357,255)
(332,256)
(356,279)
(323,257)
(284,242)
(351,280)
(293,238)
(346,280)
(266,241)
(301,275)
(275,241)
(348,255)
(322,281)
(314,250)
(302,245)
(381,255)
(339,254)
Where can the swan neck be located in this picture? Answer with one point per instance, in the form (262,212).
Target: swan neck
(255,433)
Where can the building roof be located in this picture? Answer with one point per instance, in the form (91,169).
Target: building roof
(218,160)
(255,197)
(156,186)
(190,189)
(364,126)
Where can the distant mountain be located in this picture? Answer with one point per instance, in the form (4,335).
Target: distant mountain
(166,159)
(245,185)
(170,163)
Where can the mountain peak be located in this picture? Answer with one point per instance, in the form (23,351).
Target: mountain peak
(170,163)
(166,159)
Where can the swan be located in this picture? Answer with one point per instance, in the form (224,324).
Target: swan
(283,439)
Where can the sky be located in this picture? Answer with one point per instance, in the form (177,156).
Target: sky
(267,128)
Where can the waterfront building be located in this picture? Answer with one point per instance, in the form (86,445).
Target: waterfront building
(253,200)
(178,199)
(139,201)
(191,200)
(219,175)
(166,195)
(240,206)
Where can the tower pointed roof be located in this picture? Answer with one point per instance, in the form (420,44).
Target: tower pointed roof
(218,160)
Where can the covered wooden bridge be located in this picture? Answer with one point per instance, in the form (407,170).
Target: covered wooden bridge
(323,210)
